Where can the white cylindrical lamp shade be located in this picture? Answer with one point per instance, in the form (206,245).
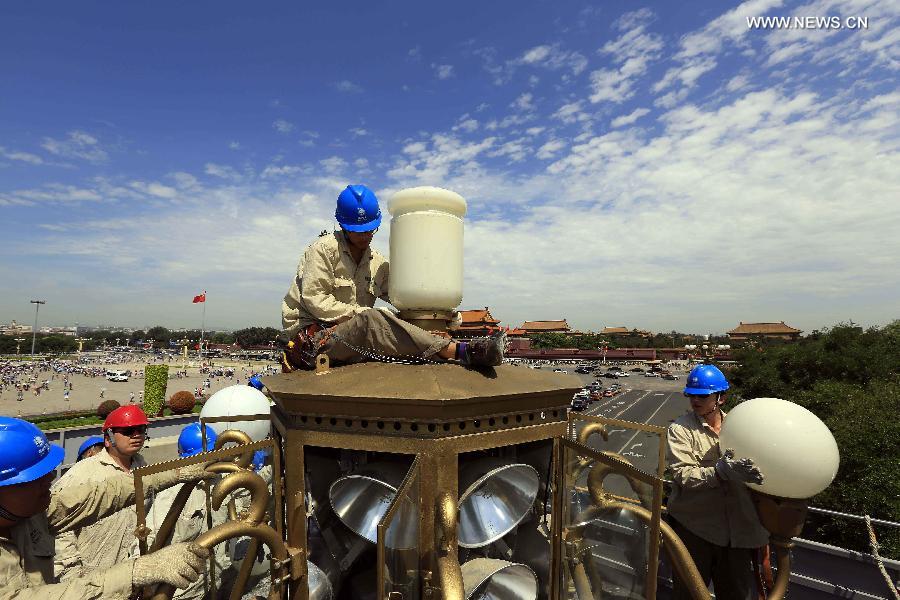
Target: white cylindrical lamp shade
(426,249)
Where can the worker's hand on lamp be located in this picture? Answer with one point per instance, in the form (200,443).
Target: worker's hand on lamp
(179,565)
(743,469)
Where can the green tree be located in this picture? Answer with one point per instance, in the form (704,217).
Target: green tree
(160,336)
(255,336)
(850,378)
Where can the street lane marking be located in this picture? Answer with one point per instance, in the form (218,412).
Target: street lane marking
(658,408)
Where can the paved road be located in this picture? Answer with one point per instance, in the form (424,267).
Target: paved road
(651,401)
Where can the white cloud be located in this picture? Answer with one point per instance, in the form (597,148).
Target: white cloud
(699,50)
(629,118)
(51,193)
(77,145)
(223,171)
(633,52)
(514,150)
(233,145)
(550,149)
(273,171)
(438,159)
(348,87)
(358,132)
(552,57)
(334,164)
(572,112)
(443,71)
(155,189)
(524,102)
(283,126)
(466,123)
(26,157)
(361,163)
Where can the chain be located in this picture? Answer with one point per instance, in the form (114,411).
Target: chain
(878,560)
(406,359)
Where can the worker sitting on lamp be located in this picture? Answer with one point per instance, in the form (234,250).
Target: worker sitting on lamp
(329,306)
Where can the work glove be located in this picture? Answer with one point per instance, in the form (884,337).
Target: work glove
(742,469)
(179,565)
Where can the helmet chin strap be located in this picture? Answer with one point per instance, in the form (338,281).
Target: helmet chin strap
(8,516)
(716,407)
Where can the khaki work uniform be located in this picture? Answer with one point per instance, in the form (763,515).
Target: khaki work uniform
(26,556)
(190,525)
(102,544)
(330,285)
(716,519)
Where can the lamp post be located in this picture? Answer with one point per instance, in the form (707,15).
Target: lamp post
(19,344)
(37,307)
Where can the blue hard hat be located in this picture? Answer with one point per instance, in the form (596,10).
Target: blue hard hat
(91,441)
(25,453)
(357,209)
(259,459)
(704,380)
(256,382)
(190,441)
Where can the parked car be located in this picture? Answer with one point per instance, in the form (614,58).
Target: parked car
(637,370)
(579,403)
(583,370)
(611,375)
(623,374)
(563,371)
(670,377)
(650,374)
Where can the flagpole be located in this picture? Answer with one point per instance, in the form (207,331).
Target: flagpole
(202,327)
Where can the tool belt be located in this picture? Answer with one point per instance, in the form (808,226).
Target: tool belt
(301,351)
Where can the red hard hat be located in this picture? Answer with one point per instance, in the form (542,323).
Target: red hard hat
(125,416)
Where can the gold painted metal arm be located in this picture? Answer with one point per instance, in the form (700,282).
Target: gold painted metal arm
(779,590)
(449,572)
(259,494)
(590,429)
(240,438)
(232,529)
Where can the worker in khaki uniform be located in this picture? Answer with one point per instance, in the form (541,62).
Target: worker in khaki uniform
(329,306)
(111,540)
(192,521)
(31,514)
(710,506)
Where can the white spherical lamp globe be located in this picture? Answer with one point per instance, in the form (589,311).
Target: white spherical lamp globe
(238,400)
(791,446)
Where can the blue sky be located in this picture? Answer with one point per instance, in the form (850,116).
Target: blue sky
(655,165)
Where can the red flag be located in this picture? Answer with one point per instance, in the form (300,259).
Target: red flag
(200,298)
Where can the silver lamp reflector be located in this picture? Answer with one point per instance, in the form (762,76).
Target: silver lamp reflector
(319,586)
(494,579)
(361,499)
(495,498)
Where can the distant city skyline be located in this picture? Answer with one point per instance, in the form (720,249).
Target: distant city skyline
(503,323)
(657,165)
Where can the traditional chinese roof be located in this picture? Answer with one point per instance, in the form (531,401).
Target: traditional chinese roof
(763,328)
(545,325)
(478,317)
(614,330)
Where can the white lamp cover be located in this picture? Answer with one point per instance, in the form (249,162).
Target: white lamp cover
(239,400)
(791,446)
